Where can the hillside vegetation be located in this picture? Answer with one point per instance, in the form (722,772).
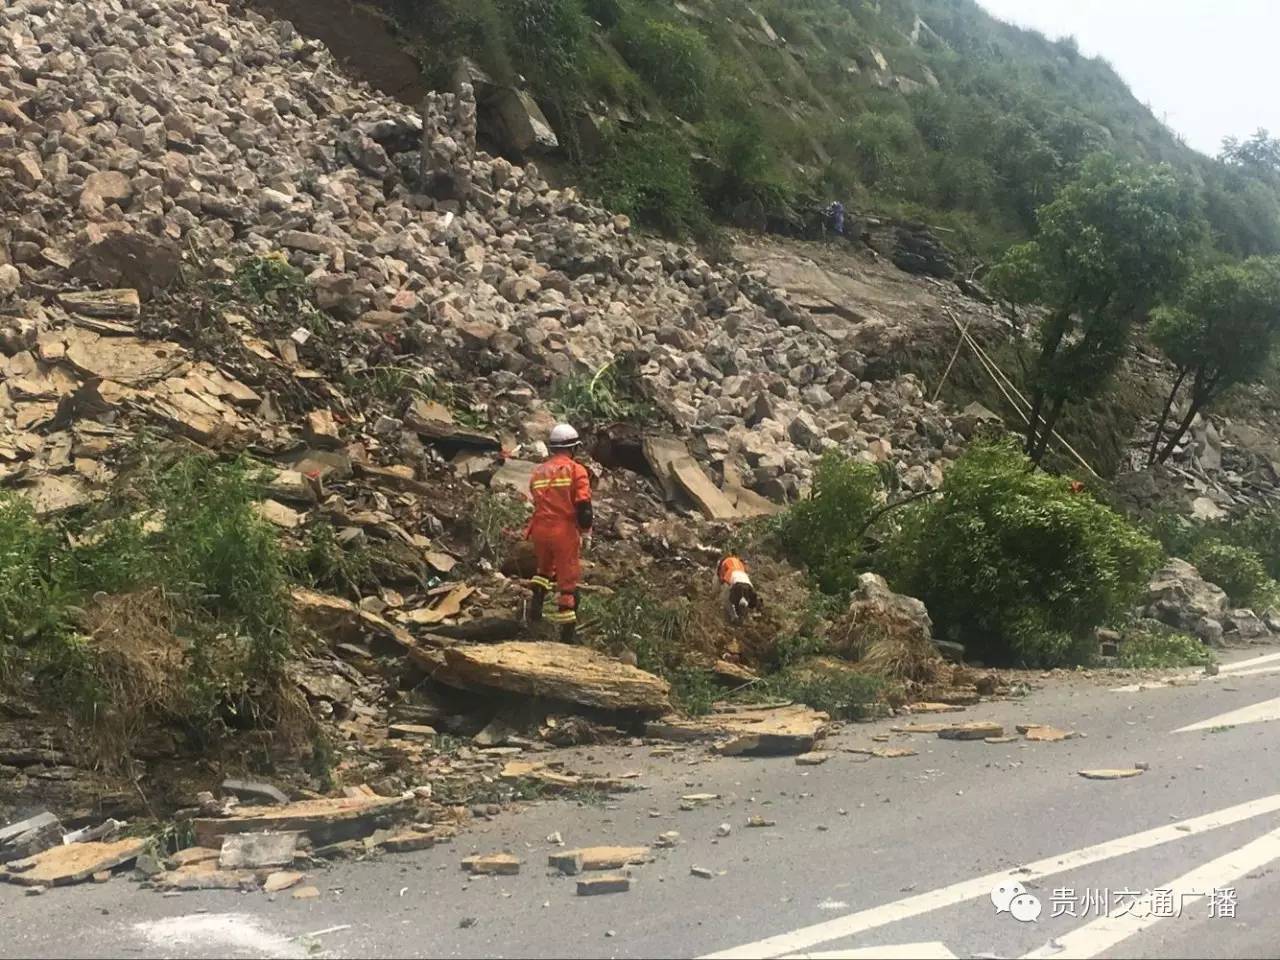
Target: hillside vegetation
(928,109)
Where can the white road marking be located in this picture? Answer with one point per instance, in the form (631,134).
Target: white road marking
(1105,932)
(1254,713)
(855,923)
(1248,664)
(230,933)
(933,950)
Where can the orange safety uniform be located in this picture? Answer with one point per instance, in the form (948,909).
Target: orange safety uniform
(728,567)
(559,488)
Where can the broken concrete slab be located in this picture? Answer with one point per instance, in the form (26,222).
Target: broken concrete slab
(927,707)
(253,850)
(597,858)
(592,886)
(977,730)
(73,863)
(102,303)
(660,453)
(324,821)
(502,864)
(556,671)
(513,477)
(764,730)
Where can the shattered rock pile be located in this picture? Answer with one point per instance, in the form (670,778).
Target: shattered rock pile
(134,130)
(149,148)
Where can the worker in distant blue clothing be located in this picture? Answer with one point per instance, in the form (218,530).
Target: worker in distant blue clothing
(835,217)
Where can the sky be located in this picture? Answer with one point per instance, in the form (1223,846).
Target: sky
(1208,68)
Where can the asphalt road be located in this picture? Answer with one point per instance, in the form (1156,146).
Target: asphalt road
(869,857)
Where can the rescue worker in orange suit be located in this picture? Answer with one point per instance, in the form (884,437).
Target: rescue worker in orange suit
(560,527)
(739,594)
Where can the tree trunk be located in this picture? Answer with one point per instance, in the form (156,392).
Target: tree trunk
(1164,415)
(1050,421)
(1201,394)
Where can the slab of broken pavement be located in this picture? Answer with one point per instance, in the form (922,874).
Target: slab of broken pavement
(878,837)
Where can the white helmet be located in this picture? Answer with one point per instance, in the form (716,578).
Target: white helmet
(563,435)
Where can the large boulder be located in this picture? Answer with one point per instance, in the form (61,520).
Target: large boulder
(881,624)
(138,260)
(1179,596)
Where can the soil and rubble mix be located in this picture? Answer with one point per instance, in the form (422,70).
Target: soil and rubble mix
(166,169)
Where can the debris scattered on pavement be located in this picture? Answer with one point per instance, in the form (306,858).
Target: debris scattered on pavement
(281,880)
(668,839)
(975,730)
(724,830)
(813,758)
(255,850)
(614,883)
(759,821)
(505,864)
(72,863)
(1111,774)
(306,893)
(702,872)
(1043,732)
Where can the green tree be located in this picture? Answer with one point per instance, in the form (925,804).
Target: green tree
(1014,563)
(1220,332)
(1110,244)
(1259,154)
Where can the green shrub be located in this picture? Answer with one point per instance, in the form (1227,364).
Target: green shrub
(610,395)
(1016,565)
(659,636)
(194,588)
(496,522)
(673,59)
(824,533)
(844,693)
(33,579)
(1162,648)
(646,174)
(1259,530)
(551,36)
(1237,570)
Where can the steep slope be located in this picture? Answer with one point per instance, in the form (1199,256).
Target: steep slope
(925,108)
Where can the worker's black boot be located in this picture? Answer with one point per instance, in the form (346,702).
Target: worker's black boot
(568,632)
(537,602)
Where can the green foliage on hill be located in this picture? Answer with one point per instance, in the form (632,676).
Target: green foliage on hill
(921,108)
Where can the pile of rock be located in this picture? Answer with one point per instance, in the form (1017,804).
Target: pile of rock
(1179,597)
(133,129)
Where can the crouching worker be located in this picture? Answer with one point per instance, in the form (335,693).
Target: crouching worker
(736,590)
(560,527)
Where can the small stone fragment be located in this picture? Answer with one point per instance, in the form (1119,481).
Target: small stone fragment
(506,864)
(1110,774)
(813,758)
(702,872)
(306,893)
(614,883)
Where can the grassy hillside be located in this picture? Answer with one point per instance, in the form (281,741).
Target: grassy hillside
(728,110)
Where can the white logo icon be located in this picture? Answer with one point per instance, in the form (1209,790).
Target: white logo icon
(1011,897)
(1025,908)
